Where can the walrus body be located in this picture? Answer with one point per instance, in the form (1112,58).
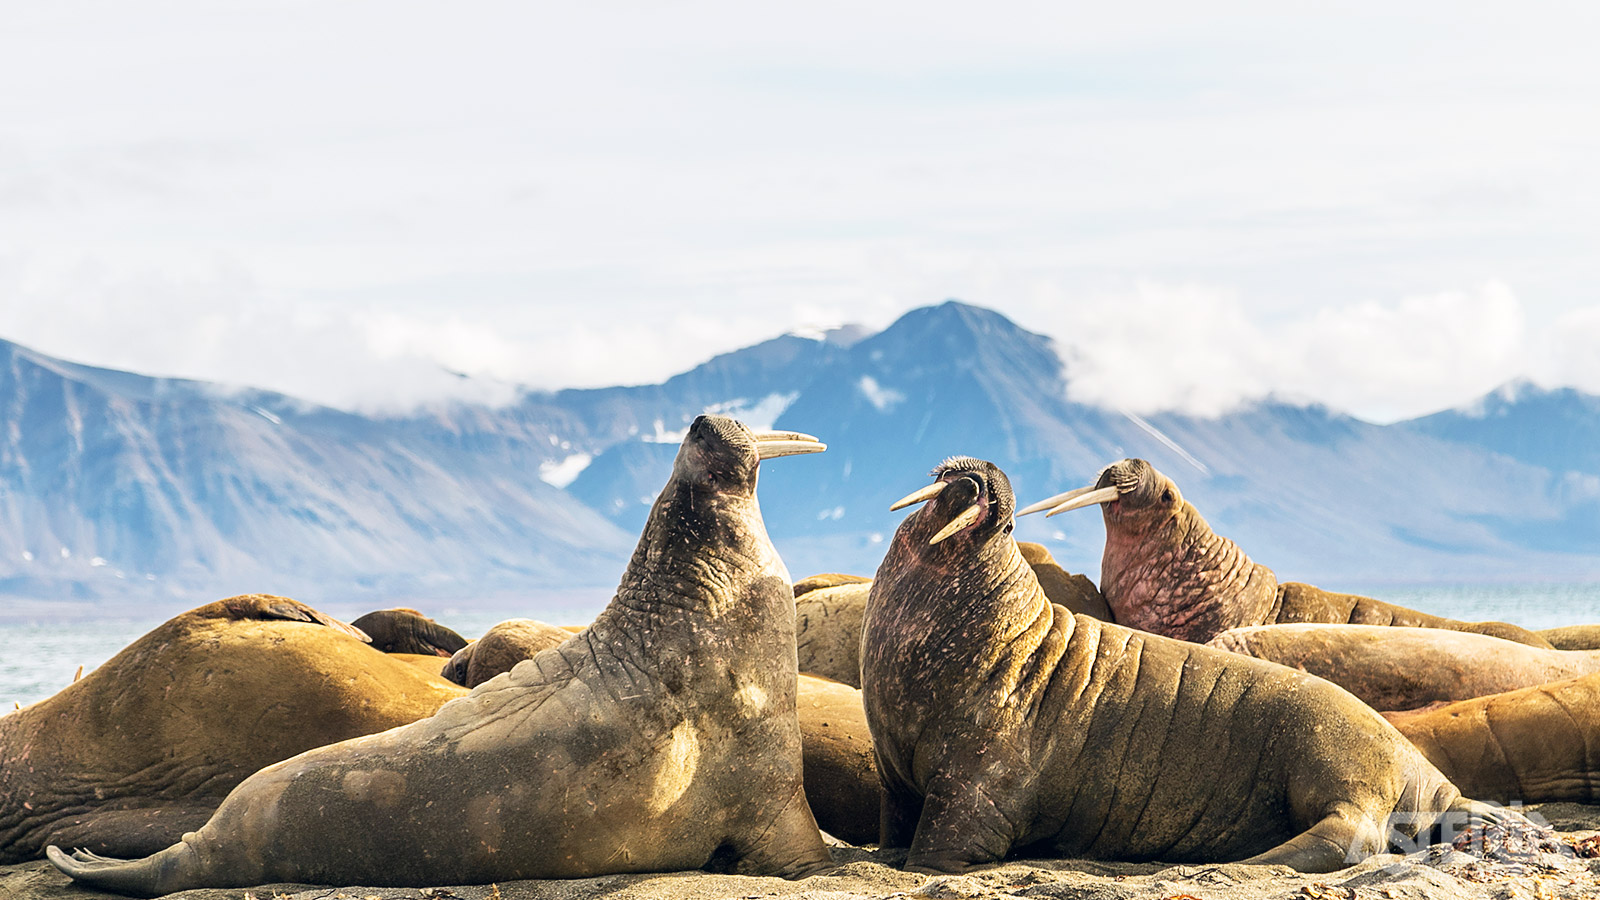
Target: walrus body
(1532,745)
(1404,668)
(402,630)
(500,648)
(1166,572)
(836,749)
(1572,637)
(1002,723)
(144,748)
(663,737)
(828,631)
(841,777)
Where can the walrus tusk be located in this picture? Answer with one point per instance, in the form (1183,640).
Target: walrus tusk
(771,449)
(78,674)
(967,517)
(919,495)
(782,436)
(1104,495)
(1057,500)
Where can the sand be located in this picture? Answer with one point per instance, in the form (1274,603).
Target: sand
(1436,873)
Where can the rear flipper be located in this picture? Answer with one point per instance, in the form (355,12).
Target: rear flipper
(1342,838)
(1497,832)
(148,877)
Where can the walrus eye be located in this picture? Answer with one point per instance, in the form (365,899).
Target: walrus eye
(1166,496)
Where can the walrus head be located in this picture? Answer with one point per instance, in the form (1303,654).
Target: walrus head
(972,500)
(721,455)
(1130,492)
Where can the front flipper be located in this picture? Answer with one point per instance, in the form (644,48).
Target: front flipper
(964,824)
(791,847)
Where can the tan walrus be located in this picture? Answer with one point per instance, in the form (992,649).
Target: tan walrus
(145,747)
(1166,572)
(1532,745)
(662,737)
(1405,668)
(500,648)
(836,749)
(1002,723)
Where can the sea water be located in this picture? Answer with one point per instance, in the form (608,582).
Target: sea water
(41,652)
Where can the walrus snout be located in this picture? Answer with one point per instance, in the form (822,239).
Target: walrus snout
(969,489)
(1133,480)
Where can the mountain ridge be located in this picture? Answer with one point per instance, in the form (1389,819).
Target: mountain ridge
(117,485)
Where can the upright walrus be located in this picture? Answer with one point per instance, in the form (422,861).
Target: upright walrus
(1002,723)
(1166,572)
(662,737)
(144,748)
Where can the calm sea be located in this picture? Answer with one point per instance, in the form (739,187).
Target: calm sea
(40,649)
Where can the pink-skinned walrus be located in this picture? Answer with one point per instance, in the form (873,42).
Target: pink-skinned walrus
(1166,572)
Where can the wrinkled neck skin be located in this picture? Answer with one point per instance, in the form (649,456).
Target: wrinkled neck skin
(704,594)
(953,620)
(1178,578)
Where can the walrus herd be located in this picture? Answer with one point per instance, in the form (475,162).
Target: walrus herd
(970,701)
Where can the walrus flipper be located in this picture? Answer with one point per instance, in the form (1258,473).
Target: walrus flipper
(1343,836)
(137,877)
(267,606)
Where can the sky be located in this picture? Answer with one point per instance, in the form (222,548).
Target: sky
(1390,208)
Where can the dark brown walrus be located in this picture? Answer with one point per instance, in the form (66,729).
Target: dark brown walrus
(402,630)
(1002,724)
(663,737)
(1532,745)
(1405,668)
(1166,572)
(143,748)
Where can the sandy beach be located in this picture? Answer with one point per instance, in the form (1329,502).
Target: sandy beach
(1437,873)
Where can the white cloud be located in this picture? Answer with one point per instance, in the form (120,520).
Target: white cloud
(1198,350)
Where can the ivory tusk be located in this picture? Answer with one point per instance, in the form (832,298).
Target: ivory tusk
(967,517)
(782,436)
(919,495)
(1055,501)
(774,449)
(1104,495)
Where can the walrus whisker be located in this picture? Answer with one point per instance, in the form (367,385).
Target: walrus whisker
(919,495)
(966,517)
(1104,495)
(1051,502)
(772,449)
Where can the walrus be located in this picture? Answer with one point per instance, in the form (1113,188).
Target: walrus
(1572,637)
(504,645)
(1004,724)
(144,748)
(402,630)
(828,631)
(1166,572)
(1532,745)
(836,749)
(662,737)
(825,580)
(1405,668)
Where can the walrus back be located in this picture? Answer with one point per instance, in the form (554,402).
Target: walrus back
(1304,603)
(1211,738)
